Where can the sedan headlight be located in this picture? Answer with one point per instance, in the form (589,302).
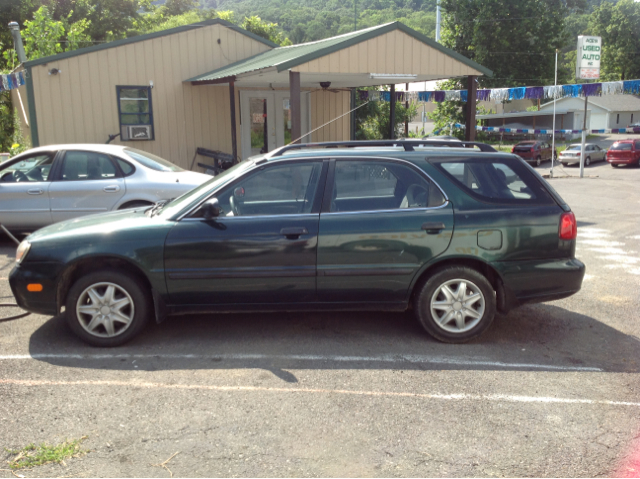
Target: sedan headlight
(22,251)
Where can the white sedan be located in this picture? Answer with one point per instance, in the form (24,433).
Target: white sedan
(53,183)
(572,154)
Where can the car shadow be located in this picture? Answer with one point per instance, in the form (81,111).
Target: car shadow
(540,337)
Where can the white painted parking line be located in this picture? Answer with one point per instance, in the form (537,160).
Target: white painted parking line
(442,397)
(387,358)
(601,241)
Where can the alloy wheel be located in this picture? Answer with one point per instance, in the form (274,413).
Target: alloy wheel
(457,305)
(105,310)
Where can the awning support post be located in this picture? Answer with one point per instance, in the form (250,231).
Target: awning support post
(470,130)
(294,100)
(232,101)
(392,115)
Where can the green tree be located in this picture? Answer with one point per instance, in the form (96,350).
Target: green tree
(374,118)
(449,113)
(619,26)
(267,30)
(516,40)
(44,36)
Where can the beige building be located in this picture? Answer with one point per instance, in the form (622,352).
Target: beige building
(202,85)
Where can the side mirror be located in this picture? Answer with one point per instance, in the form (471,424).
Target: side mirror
(211,208)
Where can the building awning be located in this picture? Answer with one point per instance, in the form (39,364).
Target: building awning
(385,54)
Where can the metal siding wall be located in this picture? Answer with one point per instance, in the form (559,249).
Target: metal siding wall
(393,52)
(79,105)
(326,106)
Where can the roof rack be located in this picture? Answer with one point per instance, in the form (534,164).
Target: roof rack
(408,145)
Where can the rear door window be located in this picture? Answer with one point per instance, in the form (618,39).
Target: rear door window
(500,180)
(380,185)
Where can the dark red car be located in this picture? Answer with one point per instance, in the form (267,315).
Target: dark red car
(624,152)
(534,151)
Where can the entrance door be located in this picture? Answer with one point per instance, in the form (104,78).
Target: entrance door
(266,120)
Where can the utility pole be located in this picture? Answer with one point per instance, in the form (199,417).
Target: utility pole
(438,18)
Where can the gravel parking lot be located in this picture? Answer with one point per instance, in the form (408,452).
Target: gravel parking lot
(550,390)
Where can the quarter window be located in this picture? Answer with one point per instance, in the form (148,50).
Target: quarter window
(135,113)
(87,165)
(379,185)
(500,180)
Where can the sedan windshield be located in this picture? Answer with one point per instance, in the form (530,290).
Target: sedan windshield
(151,161)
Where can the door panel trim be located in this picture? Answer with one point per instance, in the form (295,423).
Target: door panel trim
(366,271)
(284,272)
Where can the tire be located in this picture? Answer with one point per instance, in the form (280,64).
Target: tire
(433,291)
(134,204)
(538,161)
(614,165)
(135,307)
(565,164)
(587,161)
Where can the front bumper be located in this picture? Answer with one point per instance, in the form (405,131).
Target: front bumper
(539,281)
(43,302)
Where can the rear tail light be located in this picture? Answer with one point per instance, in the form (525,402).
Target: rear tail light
(568,226)
(513,149)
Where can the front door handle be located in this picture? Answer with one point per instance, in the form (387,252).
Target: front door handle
(294,232)
(433,228)
(35,191)
(111,189)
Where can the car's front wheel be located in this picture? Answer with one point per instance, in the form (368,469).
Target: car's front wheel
(456,304)
(107,308)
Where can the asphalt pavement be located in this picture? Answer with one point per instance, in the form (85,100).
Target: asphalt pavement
(550,390)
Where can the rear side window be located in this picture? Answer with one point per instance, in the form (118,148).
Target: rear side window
(499,180)
(127,168)
(622,146)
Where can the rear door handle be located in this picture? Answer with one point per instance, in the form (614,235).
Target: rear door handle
(35,191)
(111,189)
(433,228)
(294,232)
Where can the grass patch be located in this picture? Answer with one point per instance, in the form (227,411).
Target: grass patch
(32,455)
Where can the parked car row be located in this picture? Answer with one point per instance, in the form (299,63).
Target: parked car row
(622,152)
(333,226)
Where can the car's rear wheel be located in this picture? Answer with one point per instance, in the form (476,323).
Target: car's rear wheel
(107,308)
(587,161)
(538,161)
(614,165)
(456,304)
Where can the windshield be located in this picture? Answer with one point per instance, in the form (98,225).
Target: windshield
(174,207)
(151,161)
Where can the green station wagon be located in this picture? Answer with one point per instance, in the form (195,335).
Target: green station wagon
(454,230)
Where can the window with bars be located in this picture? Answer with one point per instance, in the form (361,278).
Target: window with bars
(135,112)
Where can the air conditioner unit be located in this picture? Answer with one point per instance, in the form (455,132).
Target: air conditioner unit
(136,132)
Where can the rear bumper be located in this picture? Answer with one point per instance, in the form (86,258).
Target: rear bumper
(623,161)
(43,302)
(540,281)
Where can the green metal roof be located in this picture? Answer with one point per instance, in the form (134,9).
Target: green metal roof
(285,58)
(148,36)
